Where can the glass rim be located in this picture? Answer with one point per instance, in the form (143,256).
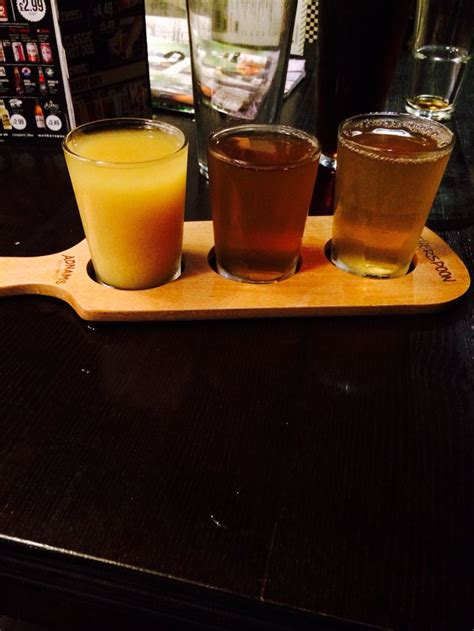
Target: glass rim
(283,130)
(109,124)
(427,123)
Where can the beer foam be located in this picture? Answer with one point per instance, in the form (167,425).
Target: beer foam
(264,147)
(420,128)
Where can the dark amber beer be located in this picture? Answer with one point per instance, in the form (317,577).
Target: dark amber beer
(261,179)
(358,46)
(389,168)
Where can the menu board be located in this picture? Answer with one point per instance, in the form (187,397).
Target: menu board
(34,96)
(106,53)
(68,62)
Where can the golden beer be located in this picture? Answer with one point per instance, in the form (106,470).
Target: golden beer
(261,180)
(389,168)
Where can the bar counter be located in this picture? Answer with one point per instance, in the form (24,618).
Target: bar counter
(280,473)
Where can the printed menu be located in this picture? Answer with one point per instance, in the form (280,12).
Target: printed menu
(106,53)
(34,95)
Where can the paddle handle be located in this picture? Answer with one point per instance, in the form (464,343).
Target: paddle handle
(36,275)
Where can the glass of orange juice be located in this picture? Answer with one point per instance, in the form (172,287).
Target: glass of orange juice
(129,179)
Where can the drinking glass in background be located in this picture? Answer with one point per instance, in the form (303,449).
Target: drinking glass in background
(357,49)
(358,46)
(440,52)
(261,180)
(129,179)
(239,57)
(389,168)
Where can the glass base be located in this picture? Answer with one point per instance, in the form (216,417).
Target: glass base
(432,107)
(255,281)
(329,162)
(203,170)
(376,275)
(98,280)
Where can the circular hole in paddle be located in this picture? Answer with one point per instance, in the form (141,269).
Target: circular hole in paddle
(91,273)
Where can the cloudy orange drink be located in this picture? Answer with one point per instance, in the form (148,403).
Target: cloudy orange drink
(129,179)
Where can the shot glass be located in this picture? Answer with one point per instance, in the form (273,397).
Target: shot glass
(129,179)
(261,180)
(441,51)
(389,168)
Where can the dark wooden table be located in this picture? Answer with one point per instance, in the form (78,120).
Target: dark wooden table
(273,474)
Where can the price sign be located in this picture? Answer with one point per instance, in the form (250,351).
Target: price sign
(104,18)
(31,10)
(18,121)
(53,122)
